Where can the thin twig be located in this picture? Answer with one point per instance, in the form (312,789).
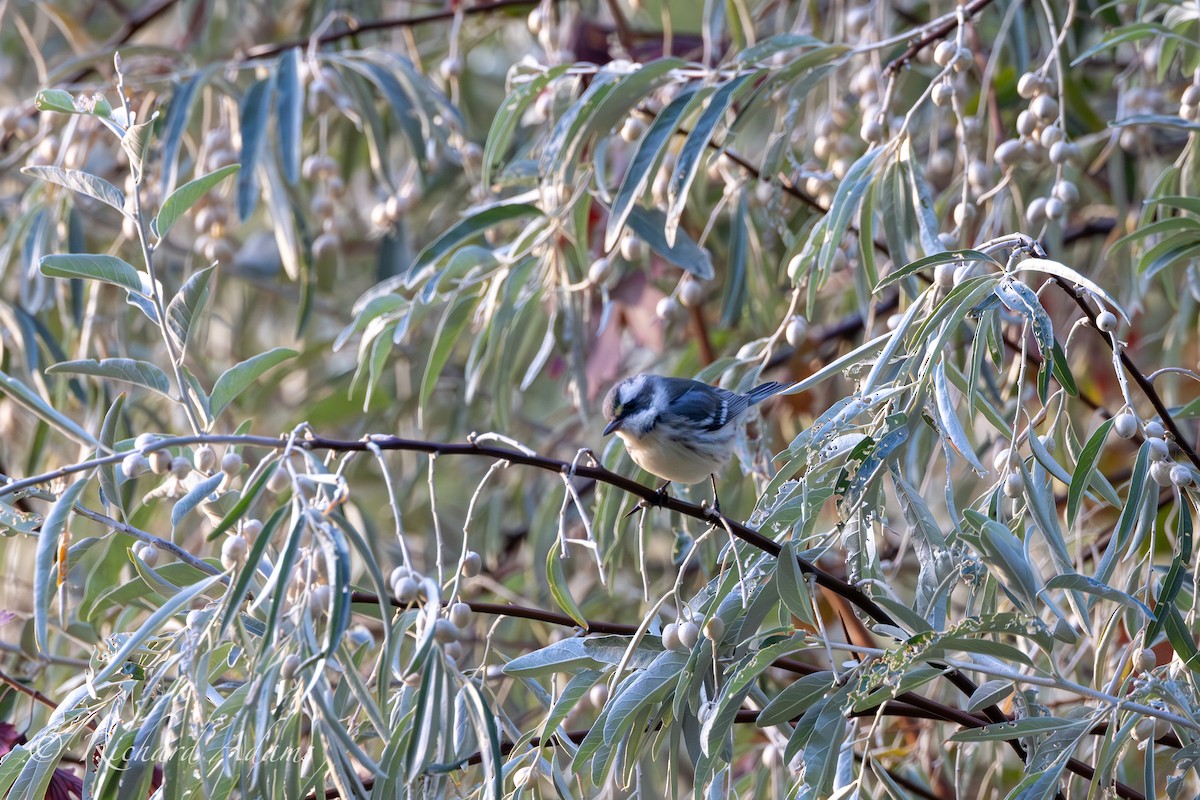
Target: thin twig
(389,23)
(935,34)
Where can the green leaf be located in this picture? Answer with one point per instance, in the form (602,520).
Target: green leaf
(44,574)
(951,426)
(637,177)
(988,694)
(83,182)
(560,590)
(182,199)
(289,113)
(187,302)
(238,378)
(565,655)
(196,495)
(1004,731)
(140,373)
(1131,33)
(55,100)
(650,225)
(1072,276)
(944,257)
(1082,583)
(1084,469)
(795,699)
(449,330)
(178,113)
(688,163)
(31,401)
(255,113)
(134,142)
(507,119)
(793,589)
(92,266)
(1183,203)
(151,626)
(470,227)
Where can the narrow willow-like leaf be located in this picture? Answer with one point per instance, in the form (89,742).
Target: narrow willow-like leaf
(988,694)
(470,227)
(186,304)
(795,699)
(238,378)
(179,112)
(1059,270)
(93,266)
(1003,731)
(559,588)
(1183,203)
(952,429)
(618,102)
(637,177)
(487,733)
(182,199)
(556,152)
(508,118)
(108,472)
(44,583)
(1082,583)
(129,370)
(1131,33)
(566,655)
(31,401)
(932,260)
(151,626)
(134,142)
(649,224)
(688,162)
(450,327)
(83,182)
(793,589)
(255,115)
(241,586)
(289,113)
(1084,469)
(196,495)
(1137,497)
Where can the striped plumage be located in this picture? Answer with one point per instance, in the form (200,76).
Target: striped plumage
(681,430)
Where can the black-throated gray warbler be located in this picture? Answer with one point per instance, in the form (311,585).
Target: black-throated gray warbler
(681,430)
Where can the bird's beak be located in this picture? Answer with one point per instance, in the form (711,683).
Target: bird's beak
(614,425)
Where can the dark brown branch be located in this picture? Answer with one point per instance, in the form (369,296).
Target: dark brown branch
(649,496)
(1136,375)
(934,34)
(652,497)
(519,612)
(269,50)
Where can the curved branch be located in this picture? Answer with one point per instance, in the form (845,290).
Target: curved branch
(935,34)
(388,23)
(1136,374)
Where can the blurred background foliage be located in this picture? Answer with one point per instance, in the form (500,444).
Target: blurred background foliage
(234,233)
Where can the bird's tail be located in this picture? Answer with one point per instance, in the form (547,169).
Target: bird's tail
(765,390)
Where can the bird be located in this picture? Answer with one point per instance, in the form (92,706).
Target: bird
(678,429)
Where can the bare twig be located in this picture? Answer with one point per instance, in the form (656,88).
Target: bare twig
(934,34)
(388,23)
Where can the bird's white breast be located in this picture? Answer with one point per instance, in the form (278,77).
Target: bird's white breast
(660,454)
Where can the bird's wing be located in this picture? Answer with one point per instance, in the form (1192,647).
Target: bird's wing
(707,407)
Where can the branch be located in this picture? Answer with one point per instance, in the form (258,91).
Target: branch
(266,51)
(1136,374)
(934,34)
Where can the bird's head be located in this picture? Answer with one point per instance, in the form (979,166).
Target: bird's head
(630,406)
